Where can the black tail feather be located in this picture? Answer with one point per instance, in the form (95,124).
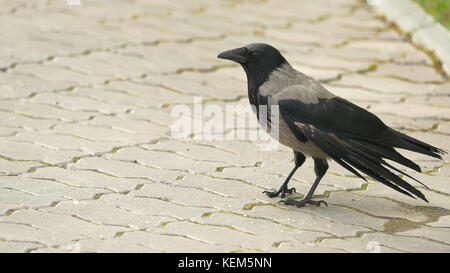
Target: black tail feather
(379,178)
(405,174)
(415,145)
(367,158)
(384,152)
(373,164)
(380,151)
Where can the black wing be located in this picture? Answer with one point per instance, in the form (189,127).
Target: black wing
(355,138)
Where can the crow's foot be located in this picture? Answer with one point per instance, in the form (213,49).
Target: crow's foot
(301,203)
(282,192)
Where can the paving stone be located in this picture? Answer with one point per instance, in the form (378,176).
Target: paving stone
(145,204)
(101,133)
(47,188)
(88,178)
(421,73)
(113,245)
(286,217)
(102,214)
(35,152)
(389,85)
(17,247)
(407,243)
(43,111)
(443,221)
(165,242)
(8,166)
(359,245)
(16,200)
(208,233)
(288,246)
(363,96)
(438,235)
(124,169)
(50,228)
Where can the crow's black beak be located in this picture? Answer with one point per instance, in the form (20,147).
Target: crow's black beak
(239,55)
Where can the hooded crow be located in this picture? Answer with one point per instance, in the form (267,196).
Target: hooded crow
(316,123)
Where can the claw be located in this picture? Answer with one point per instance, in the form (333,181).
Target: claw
(291,190)
(320,202)
(282,192)
(271,194)
(301,203)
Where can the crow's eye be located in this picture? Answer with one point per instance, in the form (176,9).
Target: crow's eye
(254,56)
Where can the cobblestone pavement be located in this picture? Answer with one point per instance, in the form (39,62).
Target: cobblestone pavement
(88,162)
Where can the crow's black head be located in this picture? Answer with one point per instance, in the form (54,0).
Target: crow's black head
(255,57)
(258,61)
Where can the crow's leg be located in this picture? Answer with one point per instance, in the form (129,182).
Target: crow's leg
(299,160)
(320,168)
